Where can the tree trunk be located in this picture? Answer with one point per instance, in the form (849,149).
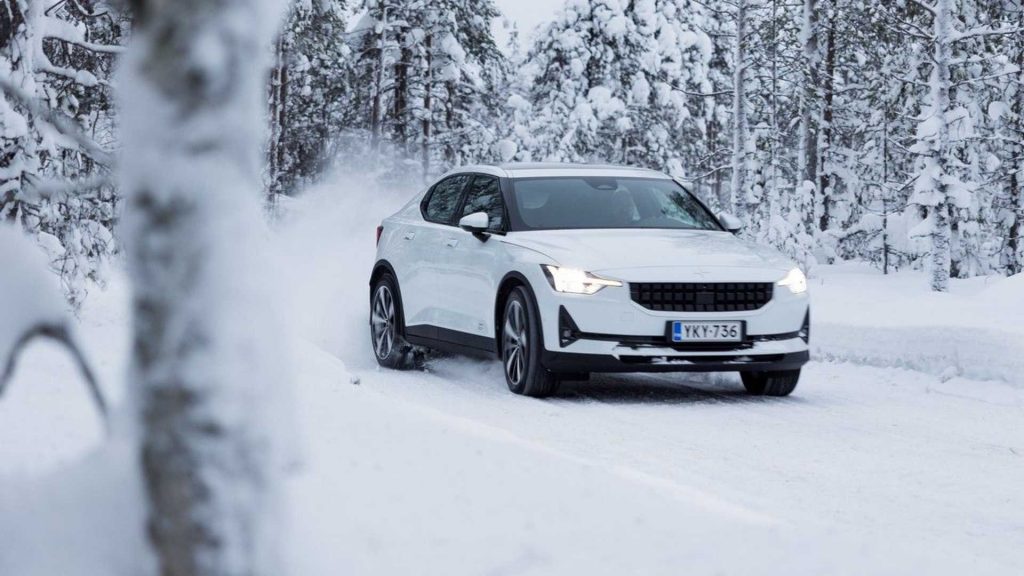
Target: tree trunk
(450,154)
(1014,242)
(428,88)
(771,189)
(19,154)
(807,158)
(401,93)
(377,99)
(884,190)
(825,129)
(203,370)
(739,116)
(941,246)
(276,118)
(282,120)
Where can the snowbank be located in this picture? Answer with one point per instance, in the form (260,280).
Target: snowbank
(84,520)
(976,331)
(30,294)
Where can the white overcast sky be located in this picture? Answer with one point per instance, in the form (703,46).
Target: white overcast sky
(527,14)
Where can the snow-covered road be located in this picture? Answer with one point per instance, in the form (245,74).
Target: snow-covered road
(874,470)
(865,470)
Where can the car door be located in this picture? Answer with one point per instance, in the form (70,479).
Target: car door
(421,294)
(469,281)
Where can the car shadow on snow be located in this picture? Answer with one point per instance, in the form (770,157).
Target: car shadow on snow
(661,389)
(666,388)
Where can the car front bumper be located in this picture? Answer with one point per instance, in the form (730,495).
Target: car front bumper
(668,360)
(609,332)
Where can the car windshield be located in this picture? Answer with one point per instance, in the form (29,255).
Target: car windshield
(602,202)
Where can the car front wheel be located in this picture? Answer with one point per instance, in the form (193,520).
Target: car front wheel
(521,347)
(775,383)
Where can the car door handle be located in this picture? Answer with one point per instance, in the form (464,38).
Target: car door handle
(451,243)
(409,235)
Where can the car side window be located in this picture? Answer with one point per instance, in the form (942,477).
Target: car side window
(444,199)
(485,196)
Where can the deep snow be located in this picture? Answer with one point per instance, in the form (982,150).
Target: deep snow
(866,469)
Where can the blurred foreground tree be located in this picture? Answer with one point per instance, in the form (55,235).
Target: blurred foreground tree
(204,354)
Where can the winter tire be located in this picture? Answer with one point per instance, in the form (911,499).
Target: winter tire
(780,383)
(387,326)
(521,347)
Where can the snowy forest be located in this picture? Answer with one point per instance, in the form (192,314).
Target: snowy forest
(835,129)
(188,195)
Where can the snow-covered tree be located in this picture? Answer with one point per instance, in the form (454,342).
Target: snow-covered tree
(204,366)
(426,80)
(742,199)
(473,68)
(1001,98)
(308,94)
(784,45)
(946,199)
(620,82)
(711,169)
(56,122)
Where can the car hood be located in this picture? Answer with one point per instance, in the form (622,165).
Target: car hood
(619,250)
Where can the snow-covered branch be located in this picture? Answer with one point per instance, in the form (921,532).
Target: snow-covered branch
(58,333)
(983,32)
(62,123)
(31,307)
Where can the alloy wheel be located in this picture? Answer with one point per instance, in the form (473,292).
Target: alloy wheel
(382,322)
(515,342)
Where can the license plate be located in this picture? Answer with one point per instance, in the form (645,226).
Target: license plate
(707,331)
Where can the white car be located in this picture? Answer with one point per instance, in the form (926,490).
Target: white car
(564,270)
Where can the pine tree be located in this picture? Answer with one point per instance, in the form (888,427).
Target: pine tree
(621,83)
(1003,122)
(1013,152)
(55,115)
(308,94)
(949,203)
(429,78)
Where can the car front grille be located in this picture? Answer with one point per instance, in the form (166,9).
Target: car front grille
(702,297)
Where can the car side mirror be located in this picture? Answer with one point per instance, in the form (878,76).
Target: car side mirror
(731,223)
(477,222)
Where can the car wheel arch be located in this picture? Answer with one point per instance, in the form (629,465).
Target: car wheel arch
(508,283)
(379,269)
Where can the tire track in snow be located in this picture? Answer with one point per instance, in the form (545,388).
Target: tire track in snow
(685,494)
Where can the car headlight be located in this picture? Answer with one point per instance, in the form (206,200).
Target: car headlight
(795,281)
(575,281)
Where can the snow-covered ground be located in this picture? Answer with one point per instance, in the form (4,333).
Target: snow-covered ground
(902,450)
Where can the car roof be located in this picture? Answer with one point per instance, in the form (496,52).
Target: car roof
(556,169)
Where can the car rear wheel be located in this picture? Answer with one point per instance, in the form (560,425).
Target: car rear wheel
(521,347)
(387,326)
(776,383)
